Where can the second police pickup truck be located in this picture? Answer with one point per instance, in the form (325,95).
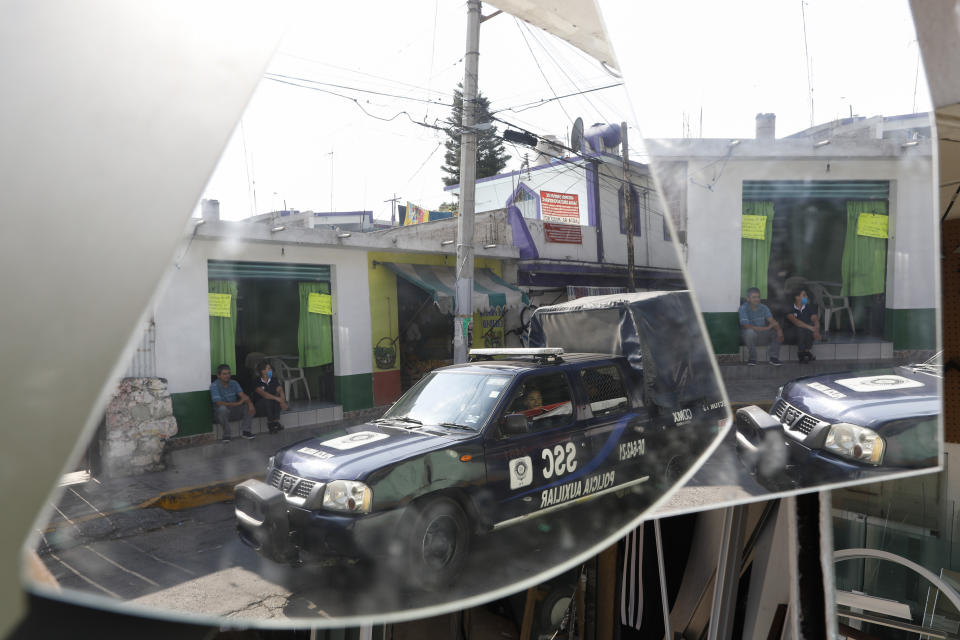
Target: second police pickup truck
(854,425)
(512,435)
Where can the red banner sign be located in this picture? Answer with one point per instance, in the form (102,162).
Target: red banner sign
(563,233)
(560,207)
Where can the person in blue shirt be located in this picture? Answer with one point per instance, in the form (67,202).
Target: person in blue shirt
(758,326)
(228,404)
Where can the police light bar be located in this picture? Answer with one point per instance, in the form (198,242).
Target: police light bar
(519,351)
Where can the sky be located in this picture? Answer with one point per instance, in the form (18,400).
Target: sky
(692,68)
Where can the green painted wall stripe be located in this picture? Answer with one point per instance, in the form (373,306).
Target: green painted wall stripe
(845,189)
(911,328)
(231,270)
(193,412)
(724,330)
(354,392)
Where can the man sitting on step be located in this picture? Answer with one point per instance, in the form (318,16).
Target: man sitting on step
(228,404)
(758,326)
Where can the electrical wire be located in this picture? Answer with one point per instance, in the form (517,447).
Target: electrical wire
(360,106)
(373,75)
(545,79)
(526,106)
(563,71)
(277,76)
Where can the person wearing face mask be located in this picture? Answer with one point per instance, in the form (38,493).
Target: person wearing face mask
(268,396)
(804,323)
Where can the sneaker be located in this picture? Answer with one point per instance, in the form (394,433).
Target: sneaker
(751,363)
(276,427)
(246,435)
(776,362)
(225,439)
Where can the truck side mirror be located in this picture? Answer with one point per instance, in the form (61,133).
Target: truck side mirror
(514,423)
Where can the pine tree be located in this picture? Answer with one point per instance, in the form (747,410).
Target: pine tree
(491,158)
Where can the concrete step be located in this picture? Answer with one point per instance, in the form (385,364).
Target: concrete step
(793,369)
(830,351)
(294,417)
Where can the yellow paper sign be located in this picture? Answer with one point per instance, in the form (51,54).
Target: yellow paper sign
(873,225)
(219,304)
(487,331)
(754,227)
(320,303)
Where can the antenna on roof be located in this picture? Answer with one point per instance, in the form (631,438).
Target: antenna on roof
(576,136)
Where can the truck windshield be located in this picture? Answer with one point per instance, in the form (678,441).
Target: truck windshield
(450,398)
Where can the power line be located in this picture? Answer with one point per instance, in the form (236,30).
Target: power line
(276,76)
(424,163)
(806,50)
(530,49)
(563,71)
(538,103)
(373,75)
(359,105)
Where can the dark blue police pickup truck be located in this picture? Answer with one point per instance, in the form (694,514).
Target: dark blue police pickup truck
(476,447)
(844,426)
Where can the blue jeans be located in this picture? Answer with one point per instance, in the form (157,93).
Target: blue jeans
(752,337)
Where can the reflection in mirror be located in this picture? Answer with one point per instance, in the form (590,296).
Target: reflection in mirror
(297,437)
(809,233)
(896,558)
(249,466)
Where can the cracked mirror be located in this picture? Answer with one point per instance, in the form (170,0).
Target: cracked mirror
(798,173)
(347,403)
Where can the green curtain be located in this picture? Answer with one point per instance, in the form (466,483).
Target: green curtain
(864,258)
(315,335)
(223,331)
(755,254)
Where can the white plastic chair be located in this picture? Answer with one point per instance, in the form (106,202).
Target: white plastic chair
(289,376)
(251,361)
(830,302)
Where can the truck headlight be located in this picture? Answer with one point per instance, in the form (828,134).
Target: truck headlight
(270,462)
(348,495)
(854,442)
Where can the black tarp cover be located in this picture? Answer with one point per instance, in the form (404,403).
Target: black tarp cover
(657,331)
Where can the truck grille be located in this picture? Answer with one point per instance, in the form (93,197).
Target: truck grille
(793,418)
(290,484)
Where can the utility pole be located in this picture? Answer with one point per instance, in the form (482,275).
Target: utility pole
(393,209)
(468,179)
(626,206)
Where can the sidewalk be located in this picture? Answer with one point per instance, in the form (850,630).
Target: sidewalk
(206,473)
(195,476)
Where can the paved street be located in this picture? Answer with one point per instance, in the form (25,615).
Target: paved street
(192,561)
(109,539)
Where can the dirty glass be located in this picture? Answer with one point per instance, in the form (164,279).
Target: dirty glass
(800,167)
(337,509)
(896,556)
